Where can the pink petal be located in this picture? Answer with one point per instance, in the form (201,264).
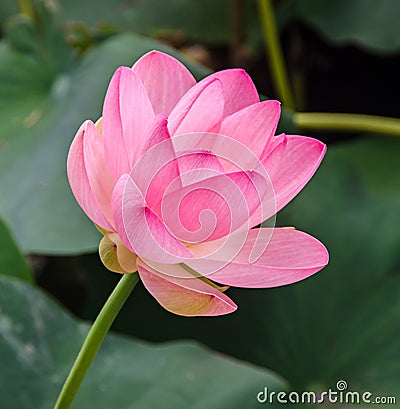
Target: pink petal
(127,115)
(184,296)
(157,132)
(273,150)
(158,167)
(78,177)
(239,90)
(165,79)
(253,126)
(232,154)
(291,169)
(284,256)
(200,109)
(212,208)
(198,165)
(140,229)
(100,179)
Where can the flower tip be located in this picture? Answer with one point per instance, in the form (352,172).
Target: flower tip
(121,70)
(324,149)
(155,54)
(325,255)
(321,252)
(275,102)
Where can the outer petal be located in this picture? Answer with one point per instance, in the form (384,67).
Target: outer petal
(165,79)
(239,90)
(291,169)
(100,179)
(79,180)
(184,296)
(200,109)
(140,229)
(284,256)
(127,115)
(254,126)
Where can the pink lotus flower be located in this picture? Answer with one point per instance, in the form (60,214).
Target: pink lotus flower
(177,174)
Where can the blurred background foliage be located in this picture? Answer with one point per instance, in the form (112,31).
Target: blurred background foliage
(56,58)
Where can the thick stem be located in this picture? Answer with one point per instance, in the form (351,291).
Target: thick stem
(94,339)
(274,53)
(347,122)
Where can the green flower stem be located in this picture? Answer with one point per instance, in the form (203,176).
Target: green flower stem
(94,339)
(274,53)
(347,122)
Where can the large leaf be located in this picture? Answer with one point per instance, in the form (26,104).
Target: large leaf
(41,110)
(368,23)
(38,342)
(12,261)
(342,323)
